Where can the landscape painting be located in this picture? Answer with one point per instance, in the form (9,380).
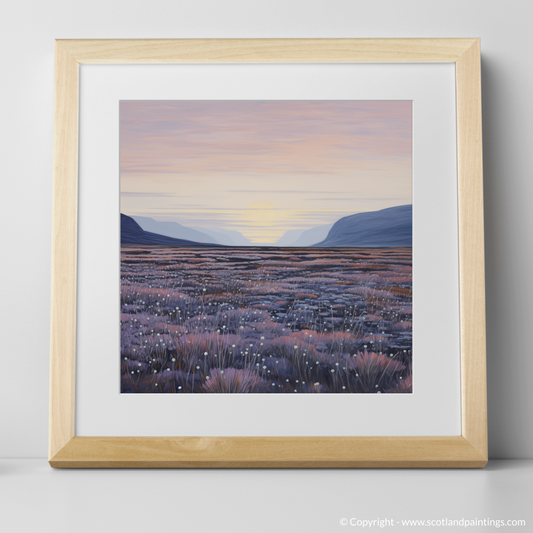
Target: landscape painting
(266,247)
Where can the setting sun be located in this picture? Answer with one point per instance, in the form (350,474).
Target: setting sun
(259,220)
(261,214)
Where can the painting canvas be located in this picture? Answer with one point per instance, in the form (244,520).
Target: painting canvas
(266,247)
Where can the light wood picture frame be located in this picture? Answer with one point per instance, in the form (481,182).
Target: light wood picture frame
(66,450)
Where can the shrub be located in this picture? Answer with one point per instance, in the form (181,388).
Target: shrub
(373,371)
(233,380)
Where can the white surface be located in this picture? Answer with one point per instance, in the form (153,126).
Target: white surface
(37,498)
(433,408)
(27,30)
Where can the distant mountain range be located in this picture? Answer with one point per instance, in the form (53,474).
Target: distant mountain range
(174,230)
(389,227)
(132,233)
(300,237)
(228,237)
(193,233)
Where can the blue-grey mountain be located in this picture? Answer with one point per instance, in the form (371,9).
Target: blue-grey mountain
(132,233)
(388,227)
(313,235)
(289,237)
(227,237)
(175,230)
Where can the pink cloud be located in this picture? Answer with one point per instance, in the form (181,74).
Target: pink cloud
(262,137)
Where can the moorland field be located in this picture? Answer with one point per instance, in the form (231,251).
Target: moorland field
(266,320)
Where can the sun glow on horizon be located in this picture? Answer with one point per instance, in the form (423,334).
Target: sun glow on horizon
(259,219)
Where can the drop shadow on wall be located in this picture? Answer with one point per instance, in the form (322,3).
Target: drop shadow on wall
(509,409)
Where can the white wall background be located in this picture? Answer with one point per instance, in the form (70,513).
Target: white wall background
(27,31)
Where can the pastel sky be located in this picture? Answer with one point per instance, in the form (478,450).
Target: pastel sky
(263,167)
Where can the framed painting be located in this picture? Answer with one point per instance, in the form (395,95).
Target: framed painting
(290,228)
